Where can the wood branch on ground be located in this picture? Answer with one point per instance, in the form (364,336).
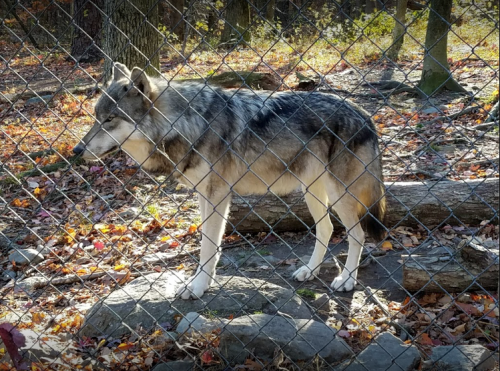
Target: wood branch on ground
(245,79)
(72,160)
(472,267)
(408,204)
(55,88)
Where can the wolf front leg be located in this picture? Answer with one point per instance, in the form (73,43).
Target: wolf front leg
(347,279)
(214,211)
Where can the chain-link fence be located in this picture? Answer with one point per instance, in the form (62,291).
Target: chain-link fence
(180,215)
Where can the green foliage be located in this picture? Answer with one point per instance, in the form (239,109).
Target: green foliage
(377,24)
(153,210)
(306,293)
(169,36)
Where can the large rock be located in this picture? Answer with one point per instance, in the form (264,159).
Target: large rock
(151,299)
(385,353)
(25,256)
(177,366)
(299,339)
(461,358)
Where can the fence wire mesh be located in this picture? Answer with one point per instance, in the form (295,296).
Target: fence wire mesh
(178,215)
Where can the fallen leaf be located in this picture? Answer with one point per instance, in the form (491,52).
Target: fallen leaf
(344,334)
(98,245)
(386,245)
(252,365)
(424,339)
(124,346)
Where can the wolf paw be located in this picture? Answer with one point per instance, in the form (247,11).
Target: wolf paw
(304,273)
(342,283)
(195,288)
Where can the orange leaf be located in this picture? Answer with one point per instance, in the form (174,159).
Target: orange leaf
(425,339)
(387,245)
(474,167)
(192,229)
(125,346)
(37,317)
(252,365)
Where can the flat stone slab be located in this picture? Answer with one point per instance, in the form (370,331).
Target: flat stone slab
(259,335)
(461,358)
(385,353)
(151,300)
(299,339)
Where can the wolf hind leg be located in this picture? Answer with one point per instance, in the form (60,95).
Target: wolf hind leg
(317,202)
(346,209)
(214,212)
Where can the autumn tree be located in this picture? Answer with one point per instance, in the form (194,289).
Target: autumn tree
(131,36)
(237,18)
(265,9)
(436,72)
(176,11)
(87,21)
(398,33)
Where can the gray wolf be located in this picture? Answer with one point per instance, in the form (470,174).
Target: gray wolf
(221,142)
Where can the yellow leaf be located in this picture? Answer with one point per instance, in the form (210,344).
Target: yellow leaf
(119,267)
(125,346)
(387,245)
(192,229)
(37,317)
(179,267)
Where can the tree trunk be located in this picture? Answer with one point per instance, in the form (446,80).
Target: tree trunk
(436,72)
(87,20)
(408,203)
(10,8)
(265,10)
(131,36)
(471,264)
(398,33)
(176,10)
(282,13)
(237,18)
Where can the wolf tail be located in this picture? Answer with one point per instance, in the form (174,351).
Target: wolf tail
(372,217)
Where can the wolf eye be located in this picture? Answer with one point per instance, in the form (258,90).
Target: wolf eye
(109,119)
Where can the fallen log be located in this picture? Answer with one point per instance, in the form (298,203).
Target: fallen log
(471,268)
(242,79)
(428,204)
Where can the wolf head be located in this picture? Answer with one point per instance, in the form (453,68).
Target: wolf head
(122,117)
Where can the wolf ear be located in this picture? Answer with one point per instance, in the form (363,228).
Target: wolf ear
(120,71)
(141,82)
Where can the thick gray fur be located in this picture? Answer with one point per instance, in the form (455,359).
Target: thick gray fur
(224,142)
